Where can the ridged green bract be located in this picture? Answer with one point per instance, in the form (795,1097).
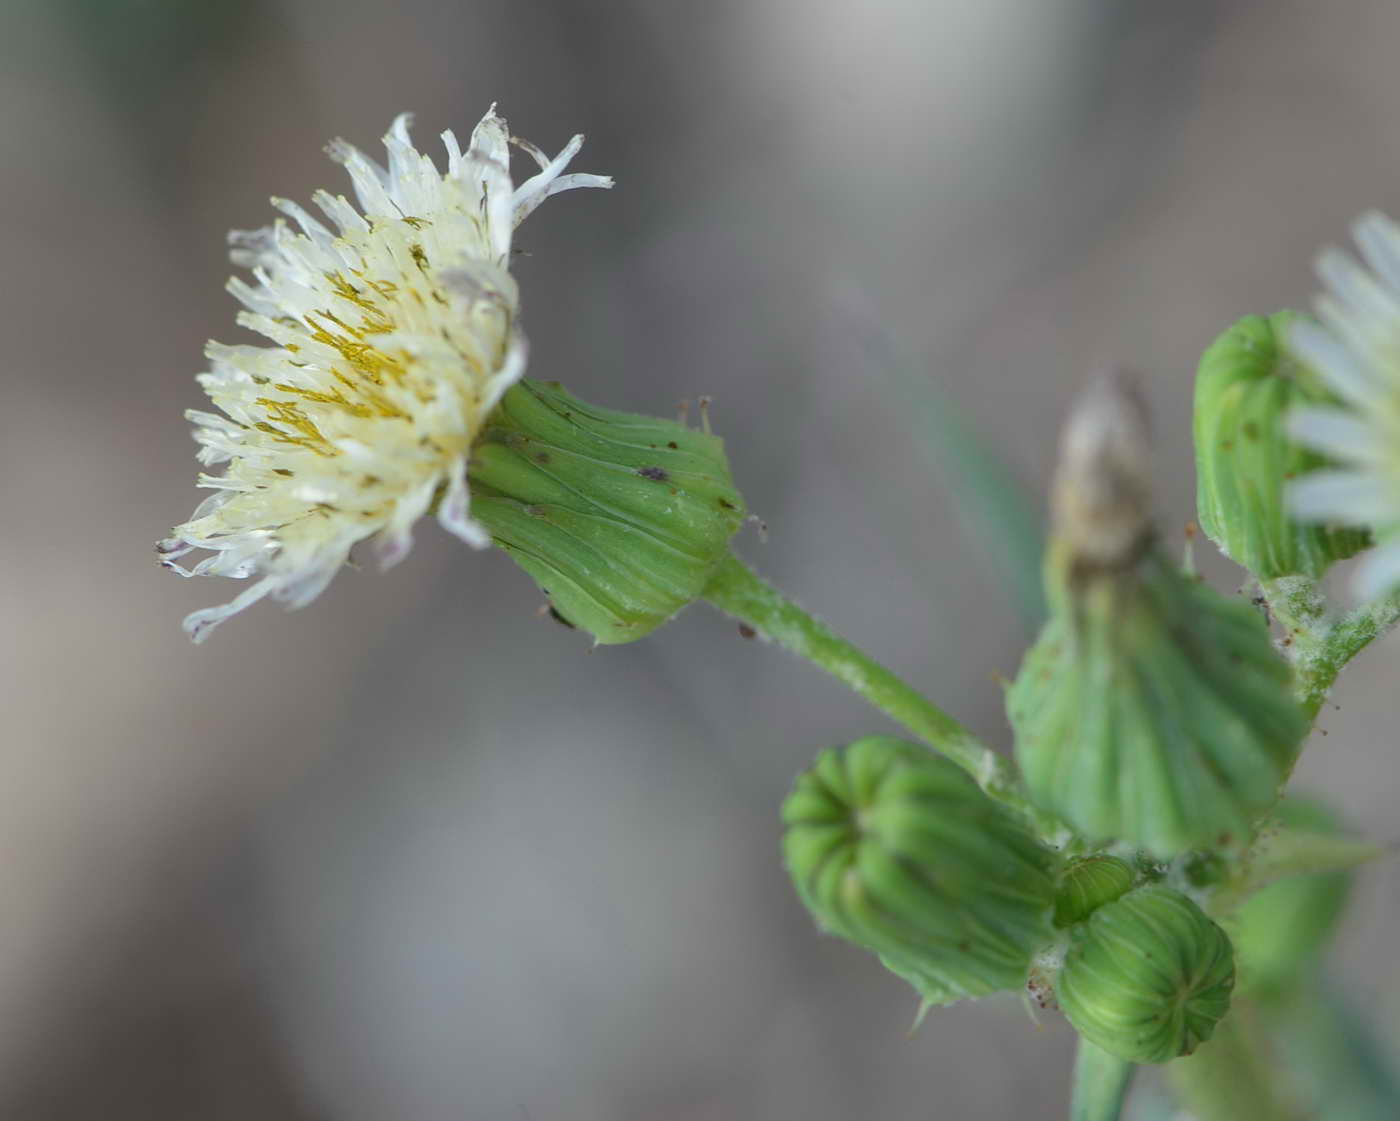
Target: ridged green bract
(1245,386)
(621,519)
(897,850)
(1088,884)
(1147,977)
(1154,710)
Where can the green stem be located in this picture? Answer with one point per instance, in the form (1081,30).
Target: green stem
(737,591)
(1101,1084)
(1320,644)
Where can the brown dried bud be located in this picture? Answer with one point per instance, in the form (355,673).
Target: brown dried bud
(1103,489)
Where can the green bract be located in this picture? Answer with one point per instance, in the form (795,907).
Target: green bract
(1147,977)
(897,850)
(1087,885)
(1153,709)
(621,519)
(1246,384)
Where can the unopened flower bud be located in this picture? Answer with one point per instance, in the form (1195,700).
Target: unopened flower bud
(1147,977)
(621,519)
(1088,884)
(1247,383)
(1151,709)
(897,850)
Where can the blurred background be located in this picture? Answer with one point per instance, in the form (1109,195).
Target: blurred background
(416,853)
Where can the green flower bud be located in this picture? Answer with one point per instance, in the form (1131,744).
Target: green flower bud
(1088,884)
(897,850)
(1151,709)
(621,519)
(1279,930)
(1247,382)
(1147,977)
(1154,710)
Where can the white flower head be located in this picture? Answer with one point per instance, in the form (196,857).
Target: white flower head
(1356,350)
(394,335)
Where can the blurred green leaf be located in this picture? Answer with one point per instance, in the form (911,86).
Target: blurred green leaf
(996,509)
(1337,1058)
(1280,852)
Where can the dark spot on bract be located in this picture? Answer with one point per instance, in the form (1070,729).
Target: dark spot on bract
(1251,429)
(542,457)
(746,631)
(673,445)
(655,474)
(727,504)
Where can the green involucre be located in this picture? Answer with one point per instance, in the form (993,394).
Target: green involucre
(897,850)
(1088,884)
(1147,977)
(1246,384)
(621,519)
(1154,710)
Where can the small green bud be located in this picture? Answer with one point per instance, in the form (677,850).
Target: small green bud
(1151,709)
(1247,382)
(1147,977)
(1088,884)
(621,519)
(1279,930)
(897,850)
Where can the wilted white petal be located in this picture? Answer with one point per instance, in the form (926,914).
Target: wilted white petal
(452,514)
(309,225)
(199,624)
(394,336)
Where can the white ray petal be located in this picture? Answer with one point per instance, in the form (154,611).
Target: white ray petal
(1337,433)
(1379,571)
(1345,497)
(1317,347)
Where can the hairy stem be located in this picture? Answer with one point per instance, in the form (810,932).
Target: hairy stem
(1321,644)
(737,591)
